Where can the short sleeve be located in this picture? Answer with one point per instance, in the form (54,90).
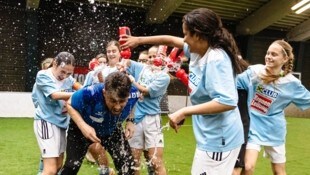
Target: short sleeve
(46,84)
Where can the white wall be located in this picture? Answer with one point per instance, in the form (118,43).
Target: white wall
(177,102)
(16,104)
(19,104)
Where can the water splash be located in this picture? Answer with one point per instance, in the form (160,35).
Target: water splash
(166,126)
(93,45)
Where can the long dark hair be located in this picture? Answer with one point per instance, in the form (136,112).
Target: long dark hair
(208,26)
(64,58)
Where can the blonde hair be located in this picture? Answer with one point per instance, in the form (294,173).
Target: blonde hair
(287,68)
(100,55)
(46,63)
(114,43)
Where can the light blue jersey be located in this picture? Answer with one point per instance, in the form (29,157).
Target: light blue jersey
(267,103)
(211,78)
(157,83)
(46,108)
(92,78)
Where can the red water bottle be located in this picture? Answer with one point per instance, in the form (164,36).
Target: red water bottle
(93,63)
(181,75)
(161,53)
(174,59)
(126,53)
(173,55)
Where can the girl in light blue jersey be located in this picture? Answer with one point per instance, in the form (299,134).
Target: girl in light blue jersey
(91,77)
(52,88)
(213,66)
(101,72)
(271,88)
(152,83)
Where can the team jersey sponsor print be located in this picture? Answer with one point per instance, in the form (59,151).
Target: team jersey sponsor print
(263,99)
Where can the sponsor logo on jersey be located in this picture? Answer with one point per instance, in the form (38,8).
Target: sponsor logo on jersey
(261,103)
(194,79)
(99,113)
(266,92)
(263,99)
(97,120)
(134,94)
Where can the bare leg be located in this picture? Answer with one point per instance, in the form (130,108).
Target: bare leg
(250,161)
(89,157)
(137,154)
(150,168)
(237,171)
(100,156)
(52,165)
(157,160)
(278,168)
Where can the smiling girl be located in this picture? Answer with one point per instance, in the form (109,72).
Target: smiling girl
(271,88)
(214,64)
(52,88)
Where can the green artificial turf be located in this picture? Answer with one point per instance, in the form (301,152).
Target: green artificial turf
(19,153)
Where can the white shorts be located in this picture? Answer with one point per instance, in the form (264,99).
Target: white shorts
(275,153)
(148,133)
(51,139)
(214,163)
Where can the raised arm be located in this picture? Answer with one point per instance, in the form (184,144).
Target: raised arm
(134,41)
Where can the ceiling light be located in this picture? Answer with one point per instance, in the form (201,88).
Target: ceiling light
(299,4)
(302,9)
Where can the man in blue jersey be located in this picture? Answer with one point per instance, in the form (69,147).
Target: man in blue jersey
(97,114)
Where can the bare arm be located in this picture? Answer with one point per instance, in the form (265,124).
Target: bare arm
(133,41)
(144,90)
(88,131)
(61,95)
(77,86)
(66,95)
(141,88)
(212,107)
(130,126)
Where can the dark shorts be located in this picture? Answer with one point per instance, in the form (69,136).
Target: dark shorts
(244,112)
(116,144)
